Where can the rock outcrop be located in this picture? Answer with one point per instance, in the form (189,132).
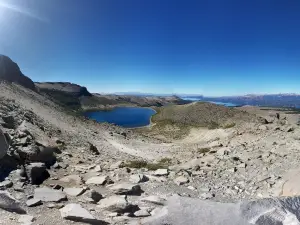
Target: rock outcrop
(10,71)
(180,210)
(65,87)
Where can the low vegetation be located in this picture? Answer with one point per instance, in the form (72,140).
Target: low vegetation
(203,150)
(164,163)
(229,125)
(201,114)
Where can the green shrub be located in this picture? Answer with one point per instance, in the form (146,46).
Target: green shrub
(229,125)
(138,164)
(203,150)
(213,125)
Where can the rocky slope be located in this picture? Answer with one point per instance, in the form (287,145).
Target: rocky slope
(57,168)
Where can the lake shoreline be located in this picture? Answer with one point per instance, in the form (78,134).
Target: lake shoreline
(128,117)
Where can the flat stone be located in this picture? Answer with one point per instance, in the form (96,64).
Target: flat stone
(98,180)
(9,203)
(126,188)
(72,179)
(49,195)
(116,203)
(26,219)
(77,213)
(142,213)
(161,172)
(33,202)
(181,180)
(154,199)
(74,191)
(138,178)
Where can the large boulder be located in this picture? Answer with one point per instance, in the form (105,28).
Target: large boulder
(3,144)
(10,71)
(37,173)
(180,210)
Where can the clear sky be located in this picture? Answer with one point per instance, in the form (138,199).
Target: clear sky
(210,47)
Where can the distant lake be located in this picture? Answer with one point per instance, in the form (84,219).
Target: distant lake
(228,104)
(128,117)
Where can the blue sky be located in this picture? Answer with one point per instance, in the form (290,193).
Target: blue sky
(211,47)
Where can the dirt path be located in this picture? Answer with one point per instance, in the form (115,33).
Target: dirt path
(130,151)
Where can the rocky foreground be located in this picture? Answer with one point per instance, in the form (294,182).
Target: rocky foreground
(57,168)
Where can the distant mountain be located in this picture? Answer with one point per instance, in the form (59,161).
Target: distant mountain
(141,94)
(272,100)
(10,72)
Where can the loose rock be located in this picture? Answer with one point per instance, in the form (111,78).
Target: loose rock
(101,180)
(33,202)
(74,191)
(49,195)
(115,204)
(77,213)
(181,180)
(161,172)
(138,178)
(126,188)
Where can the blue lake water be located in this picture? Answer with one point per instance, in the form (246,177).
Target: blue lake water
(128,117)
(228,104)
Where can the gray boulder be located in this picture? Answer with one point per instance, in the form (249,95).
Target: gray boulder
(180,210)
(37,173)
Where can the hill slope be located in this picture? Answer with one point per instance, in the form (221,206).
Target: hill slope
(201,114)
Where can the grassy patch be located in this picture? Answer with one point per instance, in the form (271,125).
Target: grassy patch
(164,163)
(229,125)
(213,125)
(203,150)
